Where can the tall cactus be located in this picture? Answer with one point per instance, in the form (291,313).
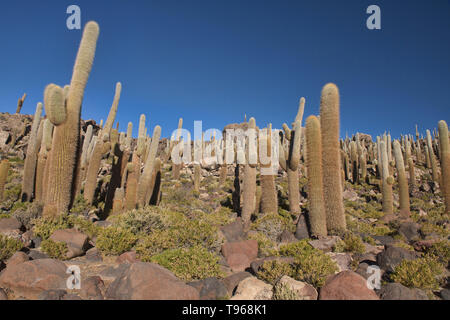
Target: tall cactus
(386,181)
(29,171)
(291,162)
(63,158)
(46,145)
(249,187)
(20,103)
(144,193)
(102,147)
(432,157)
(269,199)
(4,169)
(316,205)
(332,186)
(402,181)
(445,162)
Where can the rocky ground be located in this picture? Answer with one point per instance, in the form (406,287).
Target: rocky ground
(193,245)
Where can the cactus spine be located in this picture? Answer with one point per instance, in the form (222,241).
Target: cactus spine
(445,162)
(332,185)
(317,216)
(29,171)
(63,158)
(402,181)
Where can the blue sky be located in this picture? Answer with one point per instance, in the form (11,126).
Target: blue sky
(216,60)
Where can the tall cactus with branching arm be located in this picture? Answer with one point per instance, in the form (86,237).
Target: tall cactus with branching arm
(144,193)
(290,159)
(64,154)
(332,184)
(102,146)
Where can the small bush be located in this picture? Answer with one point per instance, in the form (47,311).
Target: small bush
(5,215)
(310,264)
(56,250)
(28,213)
(80,206)
(272,271)
(272,225)
(350,243)
(281,291)
(8,246)
(422,273)
(195,263)
(266,247)
(139,221)
(115,240)
(440,251)
(45,226)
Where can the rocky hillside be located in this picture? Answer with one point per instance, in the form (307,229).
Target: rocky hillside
(194,244)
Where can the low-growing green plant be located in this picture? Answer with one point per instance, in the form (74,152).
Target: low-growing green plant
(350,243)
(190,264)
(80,206)
(266,247)
(55,249)
(272,225)
(310,264)
(44,227)
(281,291)
(8,246)
(115,240)
(273,270)
(440,251)
(5,215)
(141,221)
(422,273)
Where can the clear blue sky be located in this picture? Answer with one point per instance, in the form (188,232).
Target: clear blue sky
(215,60)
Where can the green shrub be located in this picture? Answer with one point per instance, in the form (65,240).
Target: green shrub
(422,273)
(281,291)
(28,213)
(45,226)
(310,264)
(440,251)
(115,240)
(80,206)
(195,263)
(350,243)
(139,221)
(8,246)
(5,215)
(272,271)
(272,225)
(266,247)
(56,250)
